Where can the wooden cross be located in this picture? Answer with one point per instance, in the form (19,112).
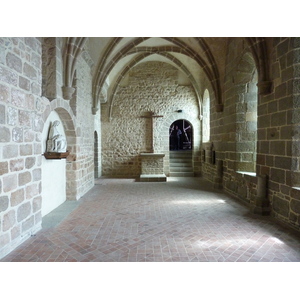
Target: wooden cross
(151,116)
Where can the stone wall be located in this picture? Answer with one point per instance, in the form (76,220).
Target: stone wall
(152,86)
(277,135)
(239,139)
(20,134)
(279,120)
(24,110)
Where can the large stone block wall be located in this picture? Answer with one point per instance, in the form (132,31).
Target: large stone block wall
(277,133)
(154,87)
(239,139)
(278,122)
(20,147)
(24,110)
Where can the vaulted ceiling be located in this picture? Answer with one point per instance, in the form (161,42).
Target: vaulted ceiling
(200,60)
(196,58)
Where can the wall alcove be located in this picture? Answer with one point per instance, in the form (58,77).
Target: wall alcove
(53,172)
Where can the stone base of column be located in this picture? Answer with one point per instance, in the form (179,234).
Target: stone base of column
(262,204)
(261,207)
(218,183)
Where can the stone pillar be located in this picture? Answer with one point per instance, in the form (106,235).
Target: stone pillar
(261,205)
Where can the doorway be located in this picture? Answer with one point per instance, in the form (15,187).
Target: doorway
(180,135)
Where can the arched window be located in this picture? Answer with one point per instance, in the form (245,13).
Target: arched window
(206,117)
(246,114)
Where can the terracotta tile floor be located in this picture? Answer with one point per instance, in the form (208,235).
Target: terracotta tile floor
(182,220)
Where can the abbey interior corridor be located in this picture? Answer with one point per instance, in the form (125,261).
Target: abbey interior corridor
(149,149)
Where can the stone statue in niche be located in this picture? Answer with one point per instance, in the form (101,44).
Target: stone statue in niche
(56,142)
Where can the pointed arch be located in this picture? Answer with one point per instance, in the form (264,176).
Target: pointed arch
(133,63)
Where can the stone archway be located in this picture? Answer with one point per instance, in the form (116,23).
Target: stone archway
(185,139)
(163,142)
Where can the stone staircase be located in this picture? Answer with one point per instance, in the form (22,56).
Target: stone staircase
(181,164)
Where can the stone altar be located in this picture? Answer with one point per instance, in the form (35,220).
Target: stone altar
(152,167)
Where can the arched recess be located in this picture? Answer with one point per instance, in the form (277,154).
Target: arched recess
(206,117)
(67,120)
(245,80)
(53,171)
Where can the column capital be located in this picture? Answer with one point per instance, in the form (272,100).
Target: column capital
(68,92)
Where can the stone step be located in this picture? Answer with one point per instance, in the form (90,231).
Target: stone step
(181,169)
(177,154)
(181,162)
(181,174)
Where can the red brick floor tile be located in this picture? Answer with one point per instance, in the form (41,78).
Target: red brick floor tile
(183,219)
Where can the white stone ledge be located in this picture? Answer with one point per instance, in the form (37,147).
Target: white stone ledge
(253,174)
